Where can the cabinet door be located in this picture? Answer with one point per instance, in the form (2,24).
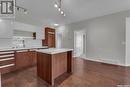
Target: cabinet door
(51,40)
(33,58)
(49,37)
(22,60)
(6,29)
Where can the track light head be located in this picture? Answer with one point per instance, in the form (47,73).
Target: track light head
(62,12)
(58,5)
(55,5)
(59,9)
(25,12)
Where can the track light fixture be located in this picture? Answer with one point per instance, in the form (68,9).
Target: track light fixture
(19,8)
(58,5)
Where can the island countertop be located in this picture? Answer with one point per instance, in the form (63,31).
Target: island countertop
(54,50)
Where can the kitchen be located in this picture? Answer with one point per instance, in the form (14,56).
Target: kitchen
(64,43)
(23,54)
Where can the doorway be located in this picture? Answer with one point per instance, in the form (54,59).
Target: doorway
(79,44)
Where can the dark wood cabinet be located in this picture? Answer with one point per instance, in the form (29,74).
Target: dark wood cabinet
(22,59)
(33,57)
(25,59)
(49,37)
(16,60)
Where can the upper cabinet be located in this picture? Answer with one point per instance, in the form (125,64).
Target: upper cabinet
(30,28)
(6,28)
(49,37)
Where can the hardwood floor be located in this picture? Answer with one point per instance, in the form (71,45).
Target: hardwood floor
(86,74)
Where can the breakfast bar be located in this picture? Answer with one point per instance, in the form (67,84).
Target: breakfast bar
(53,62)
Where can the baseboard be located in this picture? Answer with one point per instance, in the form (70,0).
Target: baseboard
(127,65)
(105,61)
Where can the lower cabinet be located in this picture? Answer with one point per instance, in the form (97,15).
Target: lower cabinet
(25,59)
(16,60)
(33,57)
(7,61)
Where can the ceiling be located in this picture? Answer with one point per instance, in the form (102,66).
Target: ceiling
(42,12)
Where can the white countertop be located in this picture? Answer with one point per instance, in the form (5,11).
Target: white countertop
(15,49)
(54,50)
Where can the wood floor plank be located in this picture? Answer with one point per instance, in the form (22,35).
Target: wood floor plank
(86,74)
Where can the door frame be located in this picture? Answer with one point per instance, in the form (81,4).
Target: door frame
(84,33)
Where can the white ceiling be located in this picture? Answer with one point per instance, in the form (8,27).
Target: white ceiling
(42,12)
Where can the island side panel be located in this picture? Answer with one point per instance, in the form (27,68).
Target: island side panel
(44,67)
(59,64)
(69,62)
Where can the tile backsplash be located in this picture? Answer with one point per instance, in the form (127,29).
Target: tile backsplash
(27,42)
(33,43)
(9,43)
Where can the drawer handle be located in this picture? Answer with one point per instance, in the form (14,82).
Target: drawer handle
(5,66)
(6,59)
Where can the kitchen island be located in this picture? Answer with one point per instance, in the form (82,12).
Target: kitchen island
(52,63)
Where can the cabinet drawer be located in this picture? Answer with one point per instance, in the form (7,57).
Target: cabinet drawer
(7,68)
(6,56)
(7,61)
(6,52)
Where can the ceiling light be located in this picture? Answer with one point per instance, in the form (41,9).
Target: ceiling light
(56,24)
(59,9)
(62,12)
(64,15)
(56,6)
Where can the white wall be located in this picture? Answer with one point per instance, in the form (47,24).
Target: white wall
(5,43)
(33,43)
(6,27)
(128,41)
(6,33)
(27,27)
(105,37)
